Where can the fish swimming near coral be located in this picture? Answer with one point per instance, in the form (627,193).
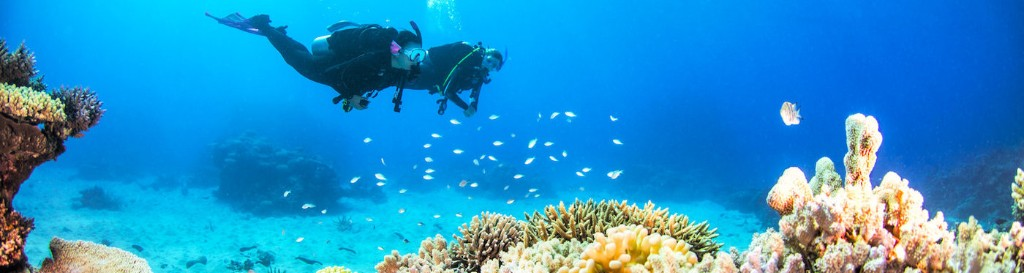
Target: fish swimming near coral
(308,261)
(790,113)
(347,249)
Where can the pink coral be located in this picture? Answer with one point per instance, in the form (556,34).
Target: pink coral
(791,188)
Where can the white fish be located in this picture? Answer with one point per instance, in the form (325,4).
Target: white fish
(553,115)
(498,143)
(476,162)
(381,248)
(380,184)
(548,144)
(299,240)
(308,206)
(323,211)
(382,162)
(457,151)
(790,113)
(553,158)
(506,187)
(369,219)
(586,169)
(536,195)
(367,140)
(533,142)
(286,193)
(426,146)
(380,176)
(414,166)
(428,159)
(510,201)
(517,176)
(582,189)
(437,216)
(528,161)
(483,156)
(539,116)
(617,141)
(428,177)
(532,190)
(401,191)
(580,174)
(455,122)
(435,135)
(570,114)
(459,215)
(401,210)
(474,185)
(493,117)
(513,135)
(565,154)
(354,179)
(462,184)
(613,118)
(429,170)
(614,174)
(492,158)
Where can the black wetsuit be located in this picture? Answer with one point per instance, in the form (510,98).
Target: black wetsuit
(469,75)
(360,62)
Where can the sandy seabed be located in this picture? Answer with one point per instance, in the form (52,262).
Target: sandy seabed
(173,228)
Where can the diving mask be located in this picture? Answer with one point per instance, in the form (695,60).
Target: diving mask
(417,55)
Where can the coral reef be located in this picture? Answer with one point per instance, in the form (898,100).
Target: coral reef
(825,178)
(334,269)
(33,128)
(582,220)
(792,187)
(632,249)
(1017,192)
(88,257)
(966,188)
(254,175)
(547,256)
(862,141)
(433,257)
(486,236)
(96,198)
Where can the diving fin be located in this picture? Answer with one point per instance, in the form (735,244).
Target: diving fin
(237,21)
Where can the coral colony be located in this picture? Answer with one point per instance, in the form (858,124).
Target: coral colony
(828,224)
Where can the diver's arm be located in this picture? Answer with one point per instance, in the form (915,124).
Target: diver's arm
(457,100)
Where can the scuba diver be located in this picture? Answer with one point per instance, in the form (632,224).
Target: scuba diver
(357,60)
(452,68)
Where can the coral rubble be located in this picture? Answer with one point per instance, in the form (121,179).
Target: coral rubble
(88,257)
(33,127)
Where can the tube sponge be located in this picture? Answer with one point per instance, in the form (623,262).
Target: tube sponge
(88,257)
(863,141)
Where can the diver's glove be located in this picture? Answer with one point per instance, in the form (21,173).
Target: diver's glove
(356,101)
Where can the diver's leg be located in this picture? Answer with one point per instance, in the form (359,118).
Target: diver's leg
(295,54)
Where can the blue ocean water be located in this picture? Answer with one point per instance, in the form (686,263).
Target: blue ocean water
(695,86)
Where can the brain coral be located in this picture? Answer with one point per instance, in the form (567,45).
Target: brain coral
(87,257)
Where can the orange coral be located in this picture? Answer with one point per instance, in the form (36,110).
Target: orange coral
(791,188)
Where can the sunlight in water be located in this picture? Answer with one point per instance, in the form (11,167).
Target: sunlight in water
(445,14)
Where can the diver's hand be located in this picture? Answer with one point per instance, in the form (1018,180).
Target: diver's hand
(469,111)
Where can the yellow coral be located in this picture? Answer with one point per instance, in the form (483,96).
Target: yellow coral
(29,105)
(334,269)
(632,249)
(88,257)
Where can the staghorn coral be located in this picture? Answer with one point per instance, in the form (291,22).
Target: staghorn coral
(632,249)
(582,220)
(81,107)
(825,179)
(791,188)
(1017,192)
(24,144)
(88,257)
(978,251)
(548,256)
(334,269)
(433,257)
(486,236)
(863,141)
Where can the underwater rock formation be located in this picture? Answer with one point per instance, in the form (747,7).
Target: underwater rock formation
(255,175)
(96,198)
(33,127)
(88,257)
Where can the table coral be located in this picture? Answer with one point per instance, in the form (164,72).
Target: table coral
(88,257)
(33,128)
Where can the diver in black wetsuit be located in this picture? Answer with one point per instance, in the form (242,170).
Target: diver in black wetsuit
(357,60)
(452,68)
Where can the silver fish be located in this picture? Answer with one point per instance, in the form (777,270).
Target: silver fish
(790,113)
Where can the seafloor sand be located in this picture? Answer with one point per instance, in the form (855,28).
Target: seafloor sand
(173,228)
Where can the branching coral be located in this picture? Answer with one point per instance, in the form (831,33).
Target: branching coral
(582,220)
(1017,192)
(81,107)
(548,256)
(486,236)
(632,249)
(433,257)
(87,257)
(24,105)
